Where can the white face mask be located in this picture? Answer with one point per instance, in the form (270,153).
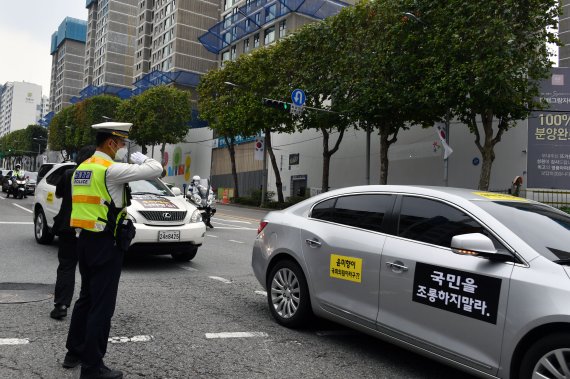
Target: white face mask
(120,154)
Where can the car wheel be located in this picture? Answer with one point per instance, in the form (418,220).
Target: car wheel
(41,230)
(288,295)
(548,358)
(185,256)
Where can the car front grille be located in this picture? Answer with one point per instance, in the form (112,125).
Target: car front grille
(163,215)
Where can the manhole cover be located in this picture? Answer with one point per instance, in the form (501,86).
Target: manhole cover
(25,292)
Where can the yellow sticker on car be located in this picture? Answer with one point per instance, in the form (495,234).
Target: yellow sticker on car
(346,268)
(499,196)
(49,198)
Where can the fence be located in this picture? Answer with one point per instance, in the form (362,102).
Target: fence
(555,198)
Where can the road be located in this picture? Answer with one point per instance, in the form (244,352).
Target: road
(207,318)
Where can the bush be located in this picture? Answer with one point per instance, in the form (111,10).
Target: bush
(565,209)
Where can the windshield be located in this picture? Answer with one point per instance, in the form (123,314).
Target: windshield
(545,229)
(32,176)
(155,187)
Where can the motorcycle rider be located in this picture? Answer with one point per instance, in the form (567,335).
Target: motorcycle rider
(18,172)
(194,188)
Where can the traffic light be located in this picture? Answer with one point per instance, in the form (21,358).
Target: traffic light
(281,105)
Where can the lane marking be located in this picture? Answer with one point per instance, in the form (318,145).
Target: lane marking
(2,198)
(17,222)
(131,339)
(327,333)
(238,217)
(236,228)
(236,241)
(263,293)
(14,341)
(188,268)
(220,279)
(19,206)
(236,221)
(236,335)
(211,235)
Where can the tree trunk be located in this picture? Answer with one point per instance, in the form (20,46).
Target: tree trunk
(144,149)
(278,182)
(384,163)
(487,150)
(232,150)
(327,154)
(162,148)
(326,162)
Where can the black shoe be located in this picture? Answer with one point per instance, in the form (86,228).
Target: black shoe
(70,361)
(59,311)
(101,373)
(210,225)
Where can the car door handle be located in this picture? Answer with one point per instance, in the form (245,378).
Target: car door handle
(396,266)
(313,243)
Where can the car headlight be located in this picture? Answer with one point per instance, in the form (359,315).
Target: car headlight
(131,217)
(196,216)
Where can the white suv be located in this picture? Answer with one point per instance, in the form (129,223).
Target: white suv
(165,222)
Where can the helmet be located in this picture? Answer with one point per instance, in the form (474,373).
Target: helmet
(195,179)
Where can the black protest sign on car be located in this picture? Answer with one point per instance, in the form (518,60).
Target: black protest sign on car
(461,292)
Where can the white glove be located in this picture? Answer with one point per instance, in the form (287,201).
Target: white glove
(138,158)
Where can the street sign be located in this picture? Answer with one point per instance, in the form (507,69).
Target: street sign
(298,97)
(296,109)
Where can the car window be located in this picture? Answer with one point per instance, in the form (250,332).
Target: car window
(149,187)
(54,177)
(435,222)
(361,211)
(44,169)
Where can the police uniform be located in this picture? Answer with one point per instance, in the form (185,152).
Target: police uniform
(99,200)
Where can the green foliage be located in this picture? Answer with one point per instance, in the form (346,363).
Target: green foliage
(24,142)
(565,209)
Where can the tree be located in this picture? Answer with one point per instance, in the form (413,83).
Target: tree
(160,115)
(380,79)
(223,107)
(309,58)
(495,54)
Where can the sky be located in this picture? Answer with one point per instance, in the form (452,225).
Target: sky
(26,27)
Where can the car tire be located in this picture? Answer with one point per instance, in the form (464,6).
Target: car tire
(41,230)
(185,256)
(288,295)
(547,352)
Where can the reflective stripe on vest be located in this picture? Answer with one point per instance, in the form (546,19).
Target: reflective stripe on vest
(90,197)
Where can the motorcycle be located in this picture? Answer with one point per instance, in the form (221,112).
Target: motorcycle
(202,196)
(17,187)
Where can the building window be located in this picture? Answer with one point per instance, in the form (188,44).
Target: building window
(269,35)
(233,53)
(270,12)
(282,28)
(256,40)
(246,45)
(225,56)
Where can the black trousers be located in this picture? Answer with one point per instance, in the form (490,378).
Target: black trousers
(67,257)
(100,263)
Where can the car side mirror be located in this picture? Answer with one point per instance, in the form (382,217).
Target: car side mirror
(478,245)
(176,191)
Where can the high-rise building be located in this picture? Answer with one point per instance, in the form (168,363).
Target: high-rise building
(19,103)
(43,109)
(110,49)
(67,51)
(564,34)
(250,24)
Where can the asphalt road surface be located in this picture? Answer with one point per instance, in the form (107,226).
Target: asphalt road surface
(207,318)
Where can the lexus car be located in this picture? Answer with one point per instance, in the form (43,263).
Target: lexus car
(477,280)
(165,223)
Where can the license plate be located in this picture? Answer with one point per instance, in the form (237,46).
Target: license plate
(169,235)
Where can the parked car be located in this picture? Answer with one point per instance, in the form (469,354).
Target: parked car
(32,177)
(165,223)
(477,280)
(6,175)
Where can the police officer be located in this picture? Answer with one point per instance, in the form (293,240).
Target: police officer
(99,201)
(18,172)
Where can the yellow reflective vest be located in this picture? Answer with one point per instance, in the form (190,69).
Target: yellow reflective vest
(92,205)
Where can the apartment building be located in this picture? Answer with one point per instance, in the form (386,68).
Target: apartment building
(19,104)
(67,51)
(564,34)
(110,47)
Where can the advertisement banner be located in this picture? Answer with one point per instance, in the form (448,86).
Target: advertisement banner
(548,163)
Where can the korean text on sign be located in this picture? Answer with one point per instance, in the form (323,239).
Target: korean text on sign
(346,268)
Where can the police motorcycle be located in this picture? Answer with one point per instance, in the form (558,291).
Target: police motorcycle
(201,195)
(17,185)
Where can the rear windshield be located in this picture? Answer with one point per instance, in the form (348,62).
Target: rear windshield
(544,228)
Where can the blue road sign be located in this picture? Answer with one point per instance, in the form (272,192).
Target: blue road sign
(298,97)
